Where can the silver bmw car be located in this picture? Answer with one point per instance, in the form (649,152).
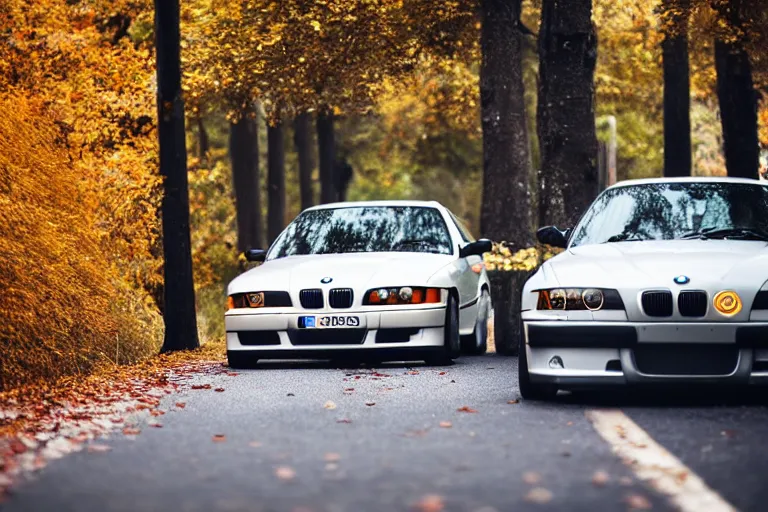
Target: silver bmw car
(661,281)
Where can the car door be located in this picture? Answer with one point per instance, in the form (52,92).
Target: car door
(469,270)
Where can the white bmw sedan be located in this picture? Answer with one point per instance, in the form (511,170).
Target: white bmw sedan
(391,280)
(662,281)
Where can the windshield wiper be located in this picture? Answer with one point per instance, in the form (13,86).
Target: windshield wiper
(737,233)
(625,237)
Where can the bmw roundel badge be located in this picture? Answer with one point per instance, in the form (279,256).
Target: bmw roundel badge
(326,280)
(682,279)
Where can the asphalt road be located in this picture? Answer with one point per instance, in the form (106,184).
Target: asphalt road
(295,440)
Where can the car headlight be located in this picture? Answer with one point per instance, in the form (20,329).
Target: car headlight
(400,295)
(575,299)
(259,300)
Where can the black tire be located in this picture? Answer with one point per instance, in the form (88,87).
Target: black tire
(451,348)
(530,390)
(241,359)
(476,344)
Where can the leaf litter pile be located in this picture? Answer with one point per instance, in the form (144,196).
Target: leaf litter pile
(45,422)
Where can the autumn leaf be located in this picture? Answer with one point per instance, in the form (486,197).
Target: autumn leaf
(343,420)
(131,431)
(600,478)
(201,386)
(219,390)
(531,477)
(98,448)
(446,424)
(637,502)
(430,503)
(329,405)
(331,457)
(538,495)
(181,405)
(466,408)
(218,438)
(285,473)
(370,404)
(512,402)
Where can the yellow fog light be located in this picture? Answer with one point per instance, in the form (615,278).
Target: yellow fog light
(727,302)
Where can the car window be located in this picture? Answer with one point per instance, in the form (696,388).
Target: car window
(463,231)
(669,211)
(364,229)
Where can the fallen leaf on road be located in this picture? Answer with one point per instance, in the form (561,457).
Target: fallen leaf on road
(201,386)
(98,448)
(219,390)
(332,457)
(343,420)
(370,404)
(290,394)
(490,368)
(156,425)
(413,372)
(600,478)
(18,447)
(430,503)
(218,438)
(512,402)
(349,389)
(570,423)
(531,477)
(329,405)
(539,495)
(442,373)
(285,473)
(446,424)
(637,502)
(131,431)
(233,374)
(254,444)
(181,405)
(466,408)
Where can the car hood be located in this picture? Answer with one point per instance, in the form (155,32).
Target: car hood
(656,263)
(357,271)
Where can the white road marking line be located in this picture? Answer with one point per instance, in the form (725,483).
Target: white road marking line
(652,462)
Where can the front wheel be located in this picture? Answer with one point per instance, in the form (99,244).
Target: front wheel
(530,390)
(451,348)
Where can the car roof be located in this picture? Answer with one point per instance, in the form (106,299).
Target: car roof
(390,203)
(694,179)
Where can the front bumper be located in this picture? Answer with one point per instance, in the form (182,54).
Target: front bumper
(618,353)
(391,329)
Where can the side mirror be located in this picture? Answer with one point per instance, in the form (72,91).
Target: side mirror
(550,235)
(477,248)
(255,255)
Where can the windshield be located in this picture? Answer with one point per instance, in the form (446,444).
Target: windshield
(364,229)
(670,211)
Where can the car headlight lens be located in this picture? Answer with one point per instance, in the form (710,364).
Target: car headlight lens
(727,302)
(575,299)
(259,300)
(400,295)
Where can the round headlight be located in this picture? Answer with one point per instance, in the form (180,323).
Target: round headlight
(383,294)
(593,299)
(406,293)
(557,298)
(727,303)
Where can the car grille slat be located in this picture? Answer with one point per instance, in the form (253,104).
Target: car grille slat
(692,303)
(686,359)
(327,336)
(311,299)
(657,303)
(340,298)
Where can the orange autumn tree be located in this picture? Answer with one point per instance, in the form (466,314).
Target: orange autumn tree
(80,246)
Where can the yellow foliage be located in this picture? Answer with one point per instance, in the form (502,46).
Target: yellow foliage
(63,308)
(501,259)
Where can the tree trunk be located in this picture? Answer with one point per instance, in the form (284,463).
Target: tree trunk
(326,149)
(677,87)
(505,213)
(302,140)
(275,180)
(179,297)
(244,154)
(737,97)
(566,111)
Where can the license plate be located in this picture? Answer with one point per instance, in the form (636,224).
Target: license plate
(329,322)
